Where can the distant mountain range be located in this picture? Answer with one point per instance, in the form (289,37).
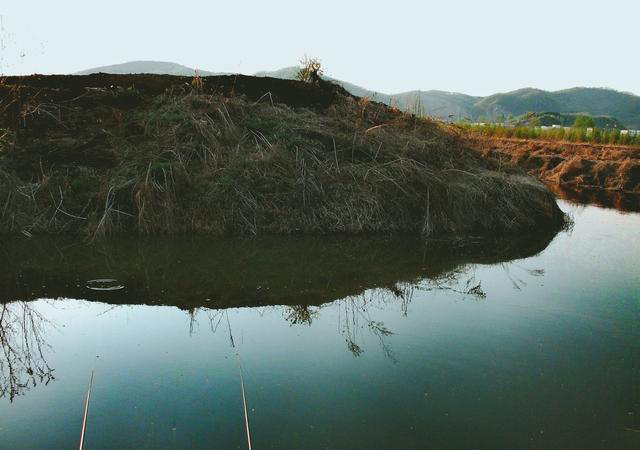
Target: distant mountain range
(157,67)
(624,107)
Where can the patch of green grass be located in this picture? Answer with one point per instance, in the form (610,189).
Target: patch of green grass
(570,134)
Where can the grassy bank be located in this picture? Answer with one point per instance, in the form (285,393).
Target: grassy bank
(99,154)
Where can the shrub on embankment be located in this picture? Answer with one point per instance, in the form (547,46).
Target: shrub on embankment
(90,156)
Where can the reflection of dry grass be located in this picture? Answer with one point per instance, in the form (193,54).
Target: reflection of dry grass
(22,362)
(452,281)
(607,199)
(356,314)
(301,314)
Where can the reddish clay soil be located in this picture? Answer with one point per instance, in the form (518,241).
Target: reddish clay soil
(576,165)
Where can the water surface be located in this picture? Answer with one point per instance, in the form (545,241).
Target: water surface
(344,343)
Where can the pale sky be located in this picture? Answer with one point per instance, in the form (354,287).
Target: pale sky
(474,47)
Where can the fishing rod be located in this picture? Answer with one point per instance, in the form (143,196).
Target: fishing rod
(86,413)
(244,396)
(244,404)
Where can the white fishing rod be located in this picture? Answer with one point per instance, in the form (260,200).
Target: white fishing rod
(244,404)
(244,396)
(86,413)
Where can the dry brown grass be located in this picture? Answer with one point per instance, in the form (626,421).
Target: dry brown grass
(579,165)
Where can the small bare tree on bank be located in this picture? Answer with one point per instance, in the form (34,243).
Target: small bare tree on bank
(310,70)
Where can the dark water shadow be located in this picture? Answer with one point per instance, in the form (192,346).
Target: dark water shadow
(202,275)
(215,273)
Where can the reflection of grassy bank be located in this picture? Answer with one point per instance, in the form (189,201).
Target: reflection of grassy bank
(219,273)
(621,201)
(158,155)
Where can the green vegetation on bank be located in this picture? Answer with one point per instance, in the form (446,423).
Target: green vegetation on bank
(570,134)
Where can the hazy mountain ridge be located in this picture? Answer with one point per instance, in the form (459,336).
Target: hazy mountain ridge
(433,102)
(624,107)
(593,101)
(153,67)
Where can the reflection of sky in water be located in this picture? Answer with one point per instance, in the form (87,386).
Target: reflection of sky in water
(549,359)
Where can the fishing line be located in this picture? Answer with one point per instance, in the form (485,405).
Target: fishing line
(244,403)
(244,396)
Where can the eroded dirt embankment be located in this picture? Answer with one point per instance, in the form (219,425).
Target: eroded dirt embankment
(103,154)
(579,165)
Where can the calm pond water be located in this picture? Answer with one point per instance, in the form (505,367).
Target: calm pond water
(344,343)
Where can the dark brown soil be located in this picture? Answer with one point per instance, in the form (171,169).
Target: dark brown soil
(40,106)
(60,88)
